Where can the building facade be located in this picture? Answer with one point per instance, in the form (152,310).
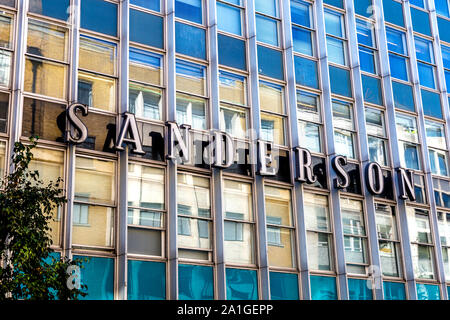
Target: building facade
(365,79)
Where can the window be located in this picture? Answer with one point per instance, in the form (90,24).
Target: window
(388,240)
(344,129)
(97,75)
(50,165)
(336,43)
(146,280)
(54,9)
(271,99)
(302,26)
(238,222)
(229,18)
(191,107)
(146,205)
(408,141)
(444,234)
(367,46)
(194,217)
(191,10)
(309,121)
(280,227)
(148,4)
(267,23)
(146,79)
(6,45)
(233,99)
(140,23)
(355,237)
(376,136)
(421,243)
(437,147)
(441,192)
(425,62)
(393,12)
(319,232)
(95,189)
(46,60)
(190,40)
(398,56)
(99,16)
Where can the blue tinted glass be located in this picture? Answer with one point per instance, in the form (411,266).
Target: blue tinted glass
(393,12)
(283,286)
(335,49)
(396,41)
(189,10)
(195,282)
(426,75)
(340,81)
(363,7)
(372,90)
(420,21)
(300,13)
(99,16)
(190,69)
(431,103)
(266,6)
(190,40)
(149,4)
(306,72)
(446,56)
(10,3)
(398,67)
(229,19)
(323,288)
(403,96)
(266,30)
(441,7)
(140,23)
(358,289)
(394,291)
(270,62)
(444,29)
(367,60)
(144,57)
(336,3)
(58,9)
(364,33)
(427,292)
(98,275)
(146,280)
(241,284)
(447,78)
(302,41)
(418,3)
(448,293)
(232,52)
(333,23)
(424,49)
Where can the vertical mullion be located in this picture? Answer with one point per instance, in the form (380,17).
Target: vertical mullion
(331,152)
(123,156)
(301,247)
(264,292)
(216,172)
(364,149)
(172,252)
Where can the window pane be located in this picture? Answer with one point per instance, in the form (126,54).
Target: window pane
(427,292)
(435,134)
(333,23)
(41,77)
(403,96)
(190,78)
(229,19)
(271,97)
(145,66)
(398,67)
(99,16)
(301,13)
(377,150)
(407,128)
(442,7)
(58,9)
(5,30)
(98,276)
(145,187)
(375,122)
(97,55)
(272,128)
(363,7)
(232,52)
(241,284)
(238,200)
(97,91)
(148,4)
(140,23)
(4,106)
(189,10)
(144,241)
(426,75)
(431,103)
(270,63)
(46,40)
(424,50)
(93,225)
(372,90)
(336,51)
(145,102)
(191,111)
(232,88)
(193,195)
(195,282)
(308,107)
(367,60)
(306,72)
(146,280)
(394,291)
(340,81)
(283,286)
(190,40)
(278,206)
(267,30)
(420,21)
(302,41)
(359,289)
(323,288)
(393,12)
(310,135)
(39,118)
(268,7)
(233,121)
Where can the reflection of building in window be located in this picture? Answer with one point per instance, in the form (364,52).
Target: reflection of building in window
(273,233)
(184,226)
(267,127)
(85,92)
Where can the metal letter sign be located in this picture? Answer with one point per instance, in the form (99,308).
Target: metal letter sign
(76,130)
